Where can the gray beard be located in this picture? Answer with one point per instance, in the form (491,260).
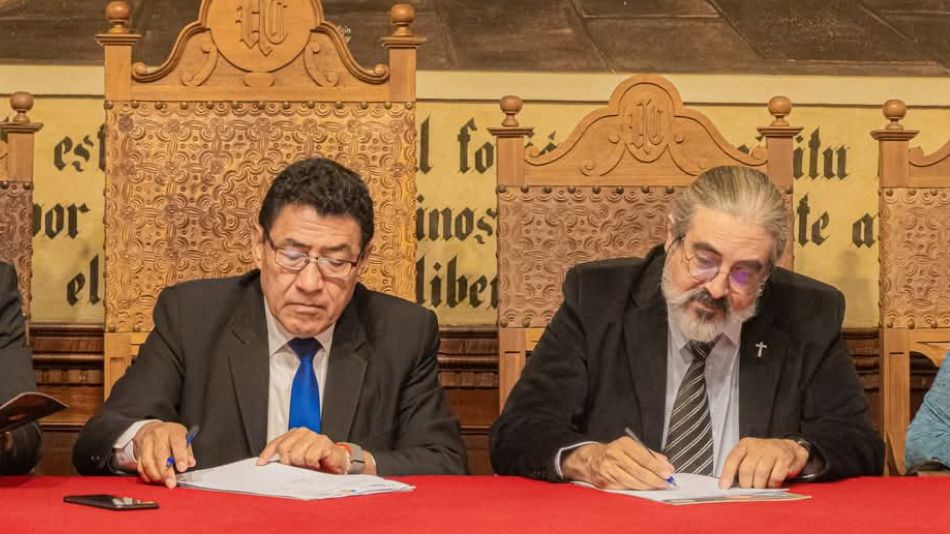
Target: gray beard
(702,327)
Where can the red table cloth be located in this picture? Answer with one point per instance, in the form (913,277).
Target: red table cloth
(460,505)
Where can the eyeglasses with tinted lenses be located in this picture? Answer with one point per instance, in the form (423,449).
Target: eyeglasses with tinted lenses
(704,267)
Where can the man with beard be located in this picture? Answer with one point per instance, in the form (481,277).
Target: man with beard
(703,357)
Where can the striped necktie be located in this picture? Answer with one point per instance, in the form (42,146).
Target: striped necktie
(689,442)
(305,391)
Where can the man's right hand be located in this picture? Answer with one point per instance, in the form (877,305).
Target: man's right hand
(620,464)
(153,444)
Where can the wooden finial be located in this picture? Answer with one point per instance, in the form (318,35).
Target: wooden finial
(119,16)
(894,110)
(780,107)
(21,102)
(402,16)
(511,105)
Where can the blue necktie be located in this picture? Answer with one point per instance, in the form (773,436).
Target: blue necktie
(305,392)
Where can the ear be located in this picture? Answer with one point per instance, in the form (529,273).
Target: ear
(367,250)
(669,232)
(257,245)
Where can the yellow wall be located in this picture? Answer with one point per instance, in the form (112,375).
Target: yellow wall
(453,103)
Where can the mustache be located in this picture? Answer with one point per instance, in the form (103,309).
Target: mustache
(702,296)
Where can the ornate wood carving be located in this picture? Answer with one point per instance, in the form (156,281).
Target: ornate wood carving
(16,193)
(915,257)
(644,136)
(16,230)
(185,182)
(543,231)
(260,49)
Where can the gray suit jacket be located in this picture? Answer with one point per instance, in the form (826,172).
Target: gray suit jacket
(16,374)
(601,366)
(206,362)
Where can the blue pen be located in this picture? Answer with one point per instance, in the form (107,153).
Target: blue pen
(634,437)
(189,437)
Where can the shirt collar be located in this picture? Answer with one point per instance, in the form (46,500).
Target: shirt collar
(732,333)
(278,336)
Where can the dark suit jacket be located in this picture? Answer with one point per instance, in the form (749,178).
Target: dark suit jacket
(206,362)
(601,366)
(16,374)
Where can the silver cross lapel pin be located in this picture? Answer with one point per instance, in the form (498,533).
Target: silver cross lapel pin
(761,346)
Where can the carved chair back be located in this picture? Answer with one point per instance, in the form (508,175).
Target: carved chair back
(193,144)
(16,192)
(915,266)
(603,192)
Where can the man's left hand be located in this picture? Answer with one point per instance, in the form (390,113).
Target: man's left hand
(763,463)
(303,447)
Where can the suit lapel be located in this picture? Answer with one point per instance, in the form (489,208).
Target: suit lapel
(759,376)
(346,369)
(245,343)
(645,335)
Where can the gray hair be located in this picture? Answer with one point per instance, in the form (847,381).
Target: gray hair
(742,192)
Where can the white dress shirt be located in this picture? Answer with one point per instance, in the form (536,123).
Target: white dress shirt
(283,366)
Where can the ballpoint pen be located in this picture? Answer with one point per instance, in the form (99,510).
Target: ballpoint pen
(634,437)
(189,437)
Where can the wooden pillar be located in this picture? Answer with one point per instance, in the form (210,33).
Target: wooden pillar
(402,45)
(893,168)
(779,137)
(510,140)
(118,43)
(21,135)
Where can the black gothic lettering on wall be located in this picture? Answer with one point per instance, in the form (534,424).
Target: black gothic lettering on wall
(77,152)
(424,166)
(76,287)
(57,218)
(829,162)
(806,227)
(446,224)
(463,138)
(437,287)
(549,144)
(862,231)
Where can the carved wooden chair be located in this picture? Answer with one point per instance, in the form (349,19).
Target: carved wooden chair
(16,192)
(193,144)
(915,266)
(603,192)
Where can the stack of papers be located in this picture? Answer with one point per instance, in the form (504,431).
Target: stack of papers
(695,489)
(279,480)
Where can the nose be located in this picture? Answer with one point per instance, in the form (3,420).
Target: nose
(718,287)
(309,279)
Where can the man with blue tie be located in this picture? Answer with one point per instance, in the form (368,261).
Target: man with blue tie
(294,362)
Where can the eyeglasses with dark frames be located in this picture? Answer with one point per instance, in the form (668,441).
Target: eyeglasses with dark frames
(704,267)
(293,259)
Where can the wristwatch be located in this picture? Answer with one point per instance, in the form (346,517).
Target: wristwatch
(355,457)
(803,443)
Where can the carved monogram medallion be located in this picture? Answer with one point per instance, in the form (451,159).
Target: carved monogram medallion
(261,36)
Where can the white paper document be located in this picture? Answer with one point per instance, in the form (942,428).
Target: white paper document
(279,480)
(695,489)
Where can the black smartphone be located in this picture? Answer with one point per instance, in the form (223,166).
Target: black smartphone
(111,502)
